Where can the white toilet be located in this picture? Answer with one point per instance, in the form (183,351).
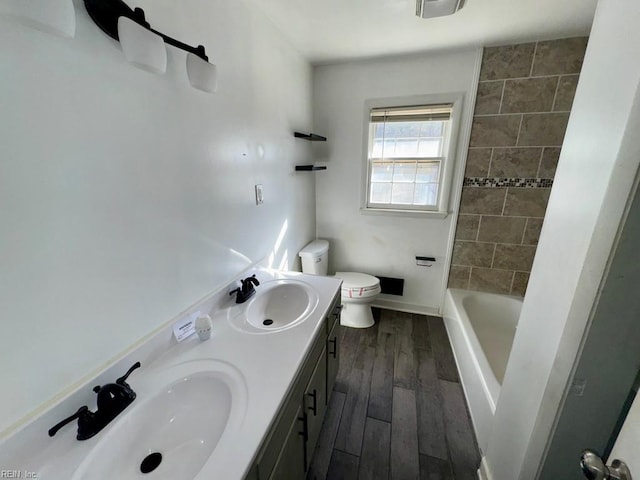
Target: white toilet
(358,289)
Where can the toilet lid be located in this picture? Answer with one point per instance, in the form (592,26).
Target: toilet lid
(358,284)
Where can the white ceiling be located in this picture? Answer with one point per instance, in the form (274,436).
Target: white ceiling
(327,31)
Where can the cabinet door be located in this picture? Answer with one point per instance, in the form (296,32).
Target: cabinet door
(333,358)
(314,403)
(291,463)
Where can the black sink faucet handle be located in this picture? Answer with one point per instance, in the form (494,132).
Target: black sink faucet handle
(247,283)
(83,414)
(122,380)
(246,289)
(112,399)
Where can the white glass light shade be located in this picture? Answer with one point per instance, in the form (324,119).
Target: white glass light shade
(142,47)
(202,74)
(50,16)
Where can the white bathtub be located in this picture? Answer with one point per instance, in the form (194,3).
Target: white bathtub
(481,327)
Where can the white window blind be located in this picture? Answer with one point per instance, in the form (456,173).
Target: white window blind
(407,150)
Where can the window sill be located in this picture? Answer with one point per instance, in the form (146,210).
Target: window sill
(404,213)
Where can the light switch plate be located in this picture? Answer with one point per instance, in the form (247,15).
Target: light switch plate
(259,195)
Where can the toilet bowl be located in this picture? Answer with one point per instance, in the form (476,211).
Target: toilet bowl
(358,289)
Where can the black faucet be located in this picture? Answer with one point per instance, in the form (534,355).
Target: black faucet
(246,290)
(112,399)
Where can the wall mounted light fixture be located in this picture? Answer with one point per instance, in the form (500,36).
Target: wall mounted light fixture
(202,75)
(144,47)
(50,16)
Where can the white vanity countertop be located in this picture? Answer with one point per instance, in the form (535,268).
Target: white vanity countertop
(267,363)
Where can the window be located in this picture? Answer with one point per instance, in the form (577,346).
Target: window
(407,156)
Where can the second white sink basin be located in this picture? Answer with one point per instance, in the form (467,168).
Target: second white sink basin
(276,306)
(173,433)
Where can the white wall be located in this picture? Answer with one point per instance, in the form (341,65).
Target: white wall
(126,196)
(385,244)
(590,192)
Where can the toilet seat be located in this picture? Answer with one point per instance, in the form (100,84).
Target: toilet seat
(358,285)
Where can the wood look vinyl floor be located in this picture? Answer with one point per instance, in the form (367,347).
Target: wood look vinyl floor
(398,410)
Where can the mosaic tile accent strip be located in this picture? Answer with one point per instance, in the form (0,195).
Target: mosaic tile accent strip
(508,182)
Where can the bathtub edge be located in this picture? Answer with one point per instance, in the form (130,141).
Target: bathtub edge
(475,395)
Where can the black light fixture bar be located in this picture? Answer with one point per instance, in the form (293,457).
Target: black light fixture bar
(199,50)
(105,14)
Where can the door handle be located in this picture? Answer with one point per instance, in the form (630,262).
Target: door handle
(594,468)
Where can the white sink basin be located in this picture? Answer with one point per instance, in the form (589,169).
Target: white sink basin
(276,306)
(173,433)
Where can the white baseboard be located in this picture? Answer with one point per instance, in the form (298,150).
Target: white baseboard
(405,307)
(483,472)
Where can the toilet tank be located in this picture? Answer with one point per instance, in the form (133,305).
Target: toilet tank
(315,257)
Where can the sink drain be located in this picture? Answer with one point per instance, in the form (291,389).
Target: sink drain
(267,322)
(151,462)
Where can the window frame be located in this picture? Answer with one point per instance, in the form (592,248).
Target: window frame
(447,162)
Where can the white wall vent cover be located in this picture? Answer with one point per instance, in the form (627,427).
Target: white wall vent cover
(437,8)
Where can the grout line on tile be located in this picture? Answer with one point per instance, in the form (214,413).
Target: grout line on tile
(533,59)
(485,115)
(477,115)
(493,257)
(513,279)
(507,243)
(540,162)
(478,231)
(503,269)
(504,201)
(490,162)
(504,86)
(519,130)
(519,113)
(465,241)
(498,215)
(535,76)
(555,95)
(524,232)
(522,146)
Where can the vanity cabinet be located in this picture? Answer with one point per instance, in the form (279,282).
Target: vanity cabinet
(287,451)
